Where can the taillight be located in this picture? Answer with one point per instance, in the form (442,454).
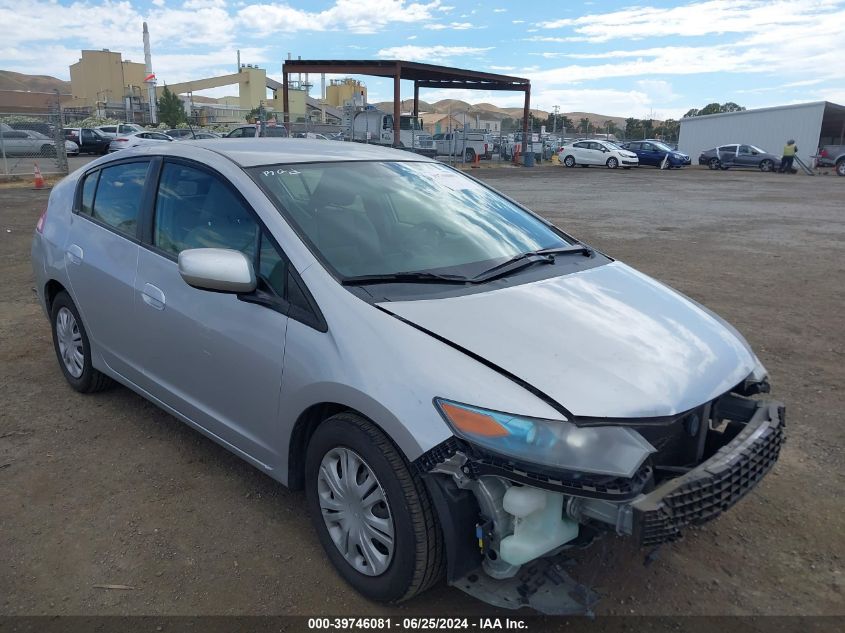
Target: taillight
(121,140)
(39,226)
(823,153)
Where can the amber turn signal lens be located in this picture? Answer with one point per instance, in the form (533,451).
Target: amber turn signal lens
(472,422)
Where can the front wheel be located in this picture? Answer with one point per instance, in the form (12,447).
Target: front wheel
(840,167)
(612,163)
(372,514)
(767,165)
(73,349)
(713,163)
(569,161)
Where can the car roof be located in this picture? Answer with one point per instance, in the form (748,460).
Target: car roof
(252,152)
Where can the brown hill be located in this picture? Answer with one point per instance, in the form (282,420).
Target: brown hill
(10,80)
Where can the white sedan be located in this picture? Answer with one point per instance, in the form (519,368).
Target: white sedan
(591,152)
(124,141)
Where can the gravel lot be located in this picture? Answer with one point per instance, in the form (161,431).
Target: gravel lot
(107,489)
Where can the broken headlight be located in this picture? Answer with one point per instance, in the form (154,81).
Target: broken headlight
(557,444)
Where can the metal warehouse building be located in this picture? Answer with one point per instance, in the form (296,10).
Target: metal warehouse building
(810,124)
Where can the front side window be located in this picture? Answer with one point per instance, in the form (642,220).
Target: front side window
(195,209)
(384,218)
(118,195)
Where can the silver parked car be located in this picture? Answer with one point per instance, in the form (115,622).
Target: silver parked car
(31,143)
(461,388)
(125,141)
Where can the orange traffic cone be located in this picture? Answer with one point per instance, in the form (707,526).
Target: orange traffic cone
(39,179)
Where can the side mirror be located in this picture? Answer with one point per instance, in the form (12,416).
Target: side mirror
(217,269)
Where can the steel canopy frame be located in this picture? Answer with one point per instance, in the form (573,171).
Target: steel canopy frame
(423,76)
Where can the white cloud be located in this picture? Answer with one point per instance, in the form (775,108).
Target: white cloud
(356,16)
(455,26)
(698,19)
(430,54)
(517,21)
(499,10)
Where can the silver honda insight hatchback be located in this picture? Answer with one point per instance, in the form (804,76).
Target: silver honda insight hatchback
(462,389)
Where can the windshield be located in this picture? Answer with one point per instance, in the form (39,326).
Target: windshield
(409,123)
(662,146)
(611,145)
(384,218)
(758,150)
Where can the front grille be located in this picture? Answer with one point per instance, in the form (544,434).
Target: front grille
(723,480)
(425,143)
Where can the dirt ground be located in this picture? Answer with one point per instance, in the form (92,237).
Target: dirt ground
(107,489)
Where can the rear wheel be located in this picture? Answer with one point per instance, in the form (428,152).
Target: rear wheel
(767,165)
(72,347)
(569,161)
(840,167)
(371,512)
(469,155)
(713,163)
(612,163)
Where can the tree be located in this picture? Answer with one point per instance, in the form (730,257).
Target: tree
(609,127)
(633,128)
(171,110)
(584,125)
(714,108)
(566,123)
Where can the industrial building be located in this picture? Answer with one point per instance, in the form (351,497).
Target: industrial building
(811,125)
(102,78)
(339,91)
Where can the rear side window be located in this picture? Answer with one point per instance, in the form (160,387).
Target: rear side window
(118,196)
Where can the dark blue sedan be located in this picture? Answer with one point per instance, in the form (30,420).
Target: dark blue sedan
(655,152)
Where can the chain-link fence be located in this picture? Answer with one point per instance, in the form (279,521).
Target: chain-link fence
(30,140)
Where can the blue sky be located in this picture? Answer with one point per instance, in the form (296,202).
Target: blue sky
(641,59)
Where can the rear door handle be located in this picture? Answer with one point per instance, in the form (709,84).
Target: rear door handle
(153,296)
(74,254)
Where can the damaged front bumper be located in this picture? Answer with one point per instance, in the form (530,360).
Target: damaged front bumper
(739,443)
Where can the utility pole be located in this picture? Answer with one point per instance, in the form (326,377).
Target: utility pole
(556,111)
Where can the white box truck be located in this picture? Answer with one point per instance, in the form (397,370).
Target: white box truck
(368,125)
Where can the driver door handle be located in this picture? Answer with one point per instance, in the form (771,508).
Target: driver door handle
(153,296)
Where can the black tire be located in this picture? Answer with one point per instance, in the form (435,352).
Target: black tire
(713,163)
(91,380)
(469,155)
(766,165)
(569,161)
(419,558)
(840,167)
(612,163)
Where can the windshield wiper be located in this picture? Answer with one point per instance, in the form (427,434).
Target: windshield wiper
(523,260)
(406,277)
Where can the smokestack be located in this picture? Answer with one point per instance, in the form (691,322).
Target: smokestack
(150,79)
(239,61)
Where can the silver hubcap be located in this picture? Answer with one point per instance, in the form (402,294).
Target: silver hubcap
(355,511)
(70,342)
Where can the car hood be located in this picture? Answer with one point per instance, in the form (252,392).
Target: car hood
(608,342)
